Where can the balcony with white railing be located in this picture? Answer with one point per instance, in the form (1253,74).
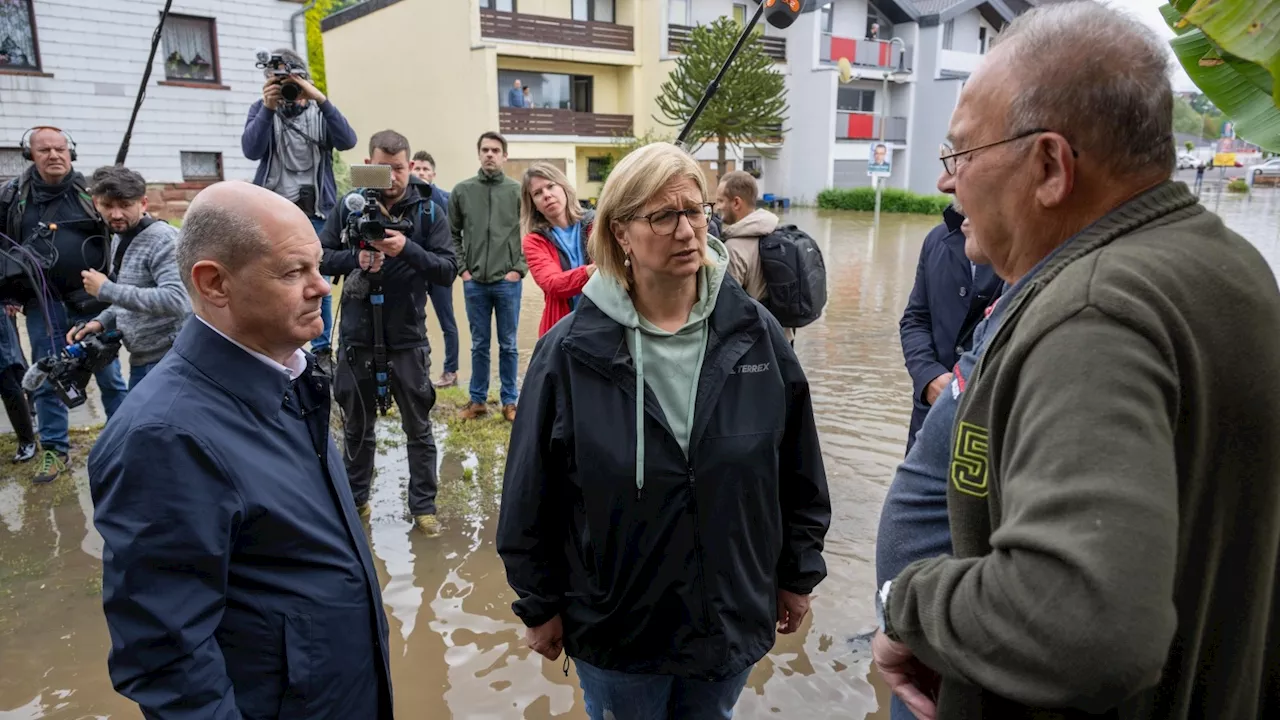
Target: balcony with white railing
(866,53)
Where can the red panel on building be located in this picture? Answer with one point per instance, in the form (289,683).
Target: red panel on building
(884,54)
(843,48)
(861,127)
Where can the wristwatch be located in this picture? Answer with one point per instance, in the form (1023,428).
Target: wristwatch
(882,611)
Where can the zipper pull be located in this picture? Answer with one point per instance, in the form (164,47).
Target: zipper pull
(566,664)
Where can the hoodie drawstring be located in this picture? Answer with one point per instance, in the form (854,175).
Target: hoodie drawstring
(639,360)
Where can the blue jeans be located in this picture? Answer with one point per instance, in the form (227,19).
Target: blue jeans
(137,372)
(501,300)
(629,696)
(326,306)
(442,301)
(50,412)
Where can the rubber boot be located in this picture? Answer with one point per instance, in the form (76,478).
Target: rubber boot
(20,418)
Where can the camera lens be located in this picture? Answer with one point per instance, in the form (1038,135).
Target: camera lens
(290,92)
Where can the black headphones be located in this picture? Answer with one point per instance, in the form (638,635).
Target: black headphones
(26,141)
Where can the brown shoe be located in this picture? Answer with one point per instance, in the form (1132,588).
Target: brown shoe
(473,410)
(448,379)
(509,412)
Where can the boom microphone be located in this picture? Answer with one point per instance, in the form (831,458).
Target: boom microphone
(355,203)
(781,13)
(778,13)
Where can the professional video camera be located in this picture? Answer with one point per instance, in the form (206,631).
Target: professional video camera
(280,68)
(70,370)
(367,219)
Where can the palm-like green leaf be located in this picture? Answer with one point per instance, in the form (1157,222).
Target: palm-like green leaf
(1240,87)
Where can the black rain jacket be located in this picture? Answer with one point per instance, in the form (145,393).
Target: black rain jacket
(680,578)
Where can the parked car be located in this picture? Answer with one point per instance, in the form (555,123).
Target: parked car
(1268,169)
(1187,161)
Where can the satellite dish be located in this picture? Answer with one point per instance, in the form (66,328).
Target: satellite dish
(846,70)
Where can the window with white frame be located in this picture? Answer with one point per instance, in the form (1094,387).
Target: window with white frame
(678,12)
(500,5)
(948,34)
(593,10)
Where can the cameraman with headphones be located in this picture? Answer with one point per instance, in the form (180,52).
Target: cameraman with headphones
(407,265)
(294,142)
(49,213)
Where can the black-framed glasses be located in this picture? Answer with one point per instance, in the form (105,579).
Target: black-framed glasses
(948,156)
(665,222)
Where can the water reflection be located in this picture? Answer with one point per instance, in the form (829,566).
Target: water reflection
(456,648)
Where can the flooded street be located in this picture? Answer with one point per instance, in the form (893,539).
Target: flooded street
(456,648)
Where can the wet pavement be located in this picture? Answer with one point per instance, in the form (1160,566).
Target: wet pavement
(457,650)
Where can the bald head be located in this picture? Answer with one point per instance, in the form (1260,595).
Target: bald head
(231,223)
(1094,75)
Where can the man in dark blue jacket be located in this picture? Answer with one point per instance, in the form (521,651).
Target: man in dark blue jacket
(237,581)
(294,142)
(949,297)
(424,168)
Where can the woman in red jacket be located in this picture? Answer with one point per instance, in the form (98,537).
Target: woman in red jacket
(555,240)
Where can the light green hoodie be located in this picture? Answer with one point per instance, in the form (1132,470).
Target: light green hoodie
(670,362)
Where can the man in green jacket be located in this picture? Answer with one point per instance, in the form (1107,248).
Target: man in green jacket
(484,215)
(1114,490)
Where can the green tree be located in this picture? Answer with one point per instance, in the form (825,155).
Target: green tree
(1231,51)
(751,104)
(315,39)
(1185,118)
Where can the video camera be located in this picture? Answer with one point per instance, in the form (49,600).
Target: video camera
(70,370)
(290,92)
(367,219)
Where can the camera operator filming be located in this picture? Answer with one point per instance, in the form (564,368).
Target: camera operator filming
(148,300)
(55,234)
(293,131)
(391,243)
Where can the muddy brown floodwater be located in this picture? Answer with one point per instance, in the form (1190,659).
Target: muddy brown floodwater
(456,649)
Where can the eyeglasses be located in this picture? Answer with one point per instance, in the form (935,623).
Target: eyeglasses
(665,222)
(948,156)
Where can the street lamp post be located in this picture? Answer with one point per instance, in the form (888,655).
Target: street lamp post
(884,115)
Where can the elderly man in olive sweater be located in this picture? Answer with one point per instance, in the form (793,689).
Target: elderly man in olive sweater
(1114,486)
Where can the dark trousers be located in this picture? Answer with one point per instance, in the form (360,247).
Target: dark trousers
(442,301)
(356,391)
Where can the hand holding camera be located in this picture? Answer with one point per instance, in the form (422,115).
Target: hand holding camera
(80,332)
(371,261)
(276,91)
(392,244)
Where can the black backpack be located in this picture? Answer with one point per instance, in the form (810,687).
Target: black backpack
(795,276)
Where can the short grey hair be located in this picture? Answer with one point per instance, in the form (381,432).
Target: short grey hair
(227,235)
(1098,77)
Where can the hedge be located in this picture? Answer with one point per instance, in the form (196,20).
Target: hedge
(892,200)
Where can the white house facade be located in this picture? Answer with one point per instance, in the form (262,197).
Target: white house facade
(77,65)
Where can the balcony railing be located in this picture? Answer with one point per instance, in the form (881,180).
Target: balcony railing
(546,121)
(774,47)
(545,30)
(866,53)
(866,126)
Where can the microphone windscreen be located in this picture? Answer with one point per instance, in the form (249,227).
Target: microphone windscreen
(355,203)
(34,378)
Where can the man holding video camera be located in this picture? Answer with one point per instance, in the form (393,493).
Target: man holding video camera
(293,131)
(148,301)
(404,263)
(47,211)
